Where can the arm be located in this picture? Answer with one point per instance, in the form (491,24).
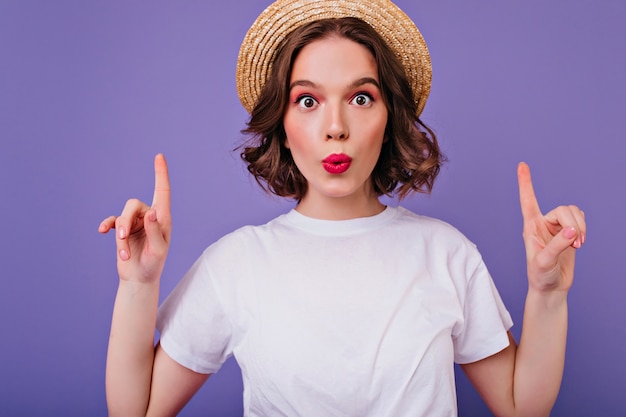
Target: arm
(139,379)
(525,380)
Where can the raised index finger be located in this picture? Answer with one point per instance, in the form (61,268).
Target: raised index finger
(527,199)
(161,198)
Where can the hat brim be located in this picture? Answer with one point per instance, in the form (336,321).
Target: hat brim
(282,17)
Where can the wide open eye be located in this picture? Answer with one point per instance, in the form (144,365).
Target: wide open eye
(362,99)
(306,102)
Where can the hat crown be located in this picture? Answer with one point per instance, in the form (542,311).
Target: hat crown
(282,17)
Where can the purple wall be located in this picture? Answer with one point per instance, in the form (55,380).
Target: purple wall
(90,91)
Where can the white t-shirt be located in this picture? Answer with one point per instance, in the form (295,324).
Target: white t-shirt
(361,317)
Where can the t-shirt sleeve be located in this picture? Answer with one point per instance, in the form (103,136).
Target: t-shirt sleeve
(195,330)
(486,319)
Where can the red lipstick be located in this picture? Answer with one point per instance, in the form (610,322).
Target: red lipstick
(336,163)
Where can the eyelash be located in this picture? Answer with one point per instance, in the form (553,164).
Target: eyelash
(368,96)
(299,100)
(363,94)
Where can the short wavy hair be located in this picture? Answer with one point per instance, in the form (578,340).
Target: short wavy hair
(410,157)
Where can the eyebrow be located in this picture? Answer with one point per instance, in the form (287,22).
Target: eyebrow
(355,84)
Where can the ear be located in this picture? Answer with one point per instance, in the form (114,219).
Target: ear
(286,143)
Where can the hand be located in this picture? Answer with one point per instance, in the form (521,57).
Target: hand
(551,240)
(142,232)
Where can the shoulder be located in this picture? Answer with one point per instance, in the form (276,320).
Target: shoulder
(439,242)
(242,240)
(429,228)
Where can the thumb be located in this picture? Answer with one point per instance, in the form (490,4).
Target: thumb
(562,241)
(157,241)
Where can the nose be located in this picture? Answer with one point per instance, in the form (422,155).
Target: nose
(337,126)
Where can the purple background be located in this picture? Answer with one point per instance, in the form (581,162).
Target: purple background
(91,91)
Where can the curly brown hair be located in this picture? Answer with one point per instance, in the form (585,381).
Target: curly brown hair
(410,158)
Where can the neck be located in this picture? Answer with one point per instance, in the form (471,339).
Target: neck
(340,208)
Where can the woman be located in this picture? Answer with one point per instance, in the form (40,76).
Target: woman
(341,307)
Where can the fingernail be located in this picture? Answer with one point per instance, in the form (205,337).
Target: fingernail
(124,255)
(569,232)
(121,232)
(583,237)
(153,216)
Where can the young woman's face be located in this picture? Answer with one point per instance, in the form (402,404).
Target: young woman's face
(335,119)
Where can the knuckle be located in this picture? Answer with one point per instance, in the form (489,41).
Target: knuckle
(133,202)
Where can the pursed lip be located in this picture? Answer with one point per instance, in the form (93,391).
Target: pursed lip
(337,158)
(336,163)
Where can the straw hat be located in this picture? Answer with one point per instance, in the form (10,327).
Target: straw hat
(283,16)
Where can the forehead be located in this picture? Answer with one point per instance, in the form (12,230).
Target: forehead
(334,58)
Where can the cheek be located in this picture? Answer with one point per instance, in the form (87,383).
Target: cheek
(289,137)
(294,140)
(375,128)
(289,125)
(298,132)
